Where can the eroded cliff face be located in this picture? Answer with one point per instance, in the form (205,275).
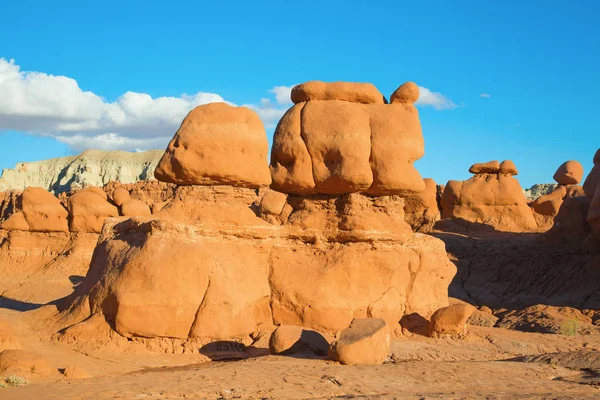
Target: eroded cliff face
(90,168)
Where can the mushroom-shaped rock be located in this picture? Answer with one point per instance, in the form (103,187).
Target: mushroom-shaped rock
(407,93)
(352,92)
(43,212)
(508,167)
(365,342)
(16,222)
(451,320)
(289,339)
(88,210)
(217,144)
(121,196)
(337,147)
(135,208)
(490,167)
(569,173)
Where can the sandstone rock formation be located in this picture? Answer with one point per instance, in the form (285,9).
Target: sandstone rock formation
(547,207)
(90,168)
(539,189)
(287,339)
(347,91)
(493,199)
(421,210)
(37,210)
(217,144)
(134,208)
(88,209)
(451,320)
(120,196)
(208,267)
(569,173)
(342,141)
(593,178)
(365,342)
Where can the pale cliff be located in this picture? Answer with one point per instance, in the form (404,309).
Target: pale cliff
(90,168)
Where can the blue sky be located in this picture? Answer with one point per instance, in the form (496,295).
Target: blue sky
(537,62)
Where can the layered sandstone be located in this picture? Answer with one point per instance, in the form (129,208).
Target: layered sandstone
(220,259)
(90,168)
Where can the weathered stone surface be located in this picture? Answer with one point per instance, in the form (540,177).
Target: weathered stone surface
(288,339)
(569,173)
(421,209)
(88,210)
(352,92)
(330,146)
(134,208)
(490,167)
(217,144)
(508,167)
(593,216)
(451,320)
(593,178)
(493,200)
(407,93)
(120,196)
(365,342)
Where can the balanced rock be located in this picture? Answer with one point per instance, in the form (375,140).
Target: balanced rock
(569,173)
(491,199)
(351,92)
(407,93)
(120,196)
(88,210)
(365,342)
(490,167)
(508,167)
(217,144)
(135,208)
(333,145)
(451,320)
(287,339)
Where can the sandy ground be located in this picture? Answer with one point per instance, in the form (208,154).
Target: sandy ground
(480,366)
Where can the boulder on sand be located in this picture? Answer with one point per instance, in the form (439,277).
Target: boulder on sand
(451,320)
(365,342)
(287,339)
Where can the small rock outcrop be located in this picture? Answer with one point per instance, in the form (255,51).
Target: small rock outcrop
(202,151)
(37,210)
(451,320)
(491,197)
(88,209)
(365,342)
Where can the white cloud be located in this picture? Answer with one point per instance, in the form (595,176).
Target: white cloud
(485,95)
(282,94)
(48,105)
(427,98)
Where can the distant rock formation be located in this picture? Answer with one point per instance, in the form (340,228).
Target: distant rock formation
(90,168)
(539,189)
